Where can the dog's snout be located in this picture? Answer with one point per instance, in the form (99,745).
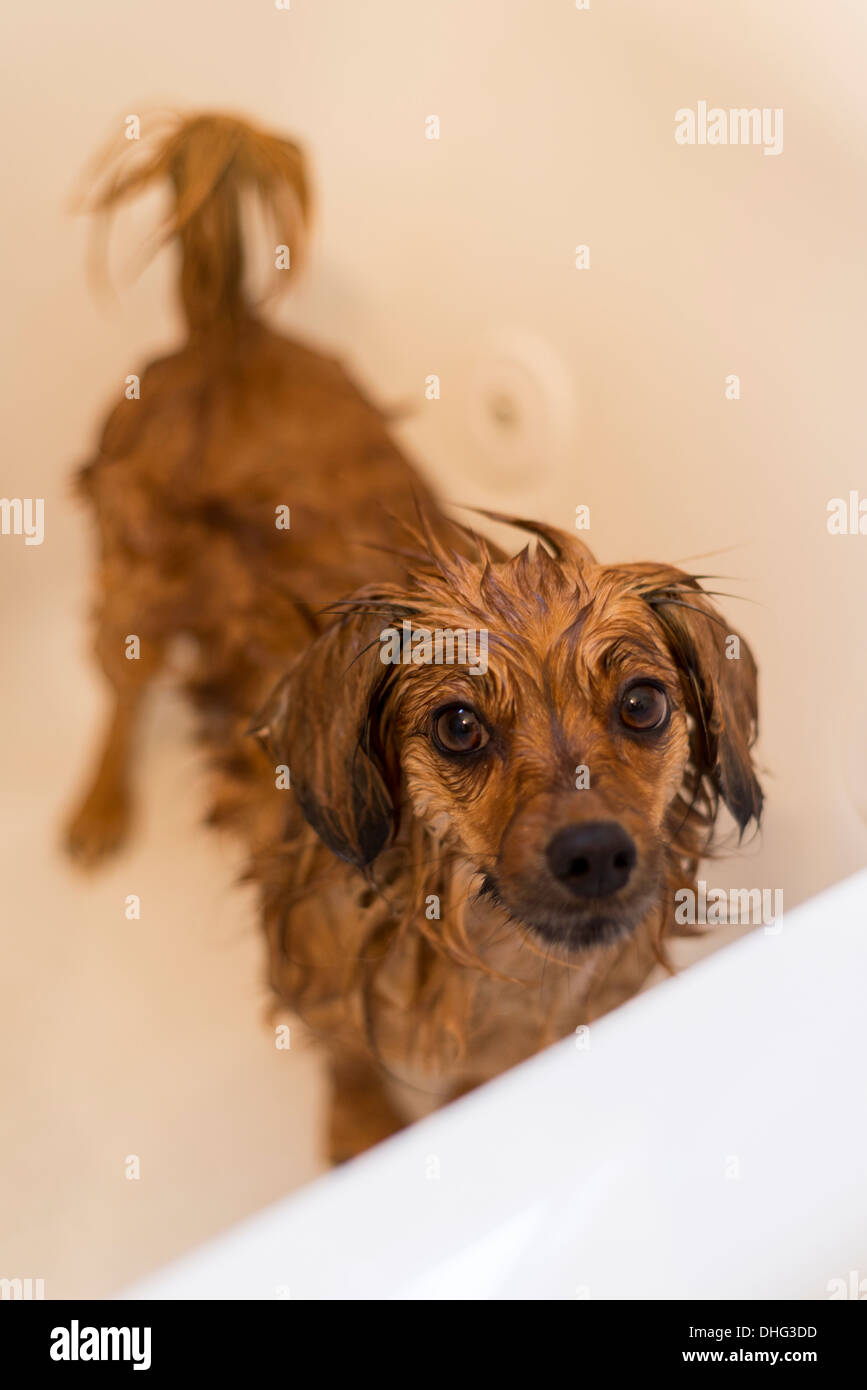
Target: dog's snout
(592,860)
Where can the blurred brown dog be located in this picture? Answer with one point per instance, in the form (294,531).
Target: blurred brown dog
(458,862)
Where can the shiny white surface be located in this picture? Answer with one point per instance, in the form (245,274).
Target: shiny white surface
(710,1142)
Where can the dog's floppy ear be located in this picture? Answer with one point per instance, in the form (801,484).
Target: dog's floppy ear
(323,722)
(720,680)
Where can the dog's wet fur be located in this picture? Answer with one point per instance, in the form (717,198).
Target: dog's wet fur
(465,866)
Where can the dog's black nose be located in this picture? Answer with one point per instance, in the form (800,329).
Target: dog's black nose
(592,860)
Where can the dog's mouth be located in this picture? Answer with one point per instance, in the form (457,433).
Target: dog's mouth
(572,927)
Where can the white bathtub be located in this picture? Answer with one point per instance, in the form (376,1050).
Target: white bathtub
(710,1142)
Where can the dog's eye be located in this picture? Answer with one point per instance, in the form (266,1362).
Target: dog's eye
(459,729)
(644,707)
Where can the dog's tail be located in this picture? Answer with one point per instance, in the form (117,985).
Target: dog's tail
(212,162)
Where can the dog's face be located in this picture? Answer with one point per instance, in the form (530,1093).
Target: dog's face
(555,770)
(570,727)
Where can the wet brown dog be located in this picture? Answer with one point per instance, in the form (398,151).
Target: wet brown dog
(472,856)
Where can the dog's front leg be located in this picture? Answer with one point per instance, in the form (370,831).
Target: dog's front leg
(360,1113)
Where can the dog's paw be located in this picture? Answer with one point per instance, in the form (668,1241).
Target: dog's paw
(99,827)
